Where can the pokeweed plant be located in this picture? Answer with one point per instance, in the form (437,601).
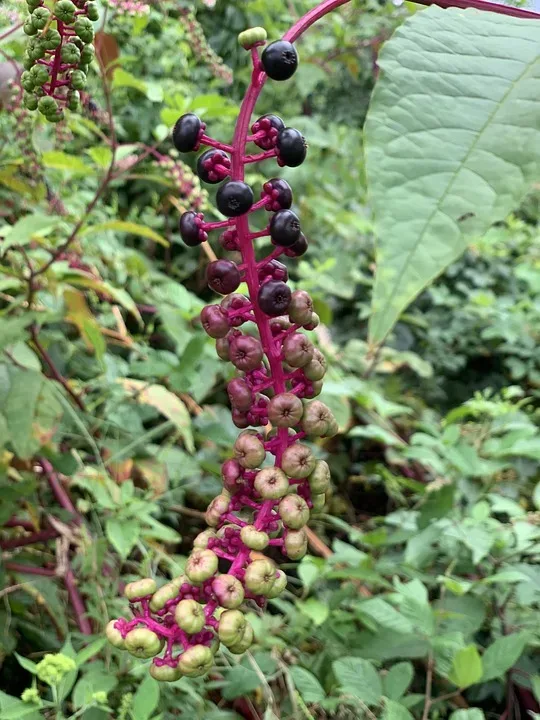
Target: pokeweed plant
(262,506)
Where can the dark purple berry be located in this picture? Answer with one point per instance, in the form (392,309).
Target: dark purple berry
(274,270)
(274,297)
(280,60)
(214,321)
(190,229)
(223,276)
(213,166)
(234,198)
(297,248)
(278,194)
(240,394)
(240,419)
(186,132)
(292,148)
(271,125)
(284,228)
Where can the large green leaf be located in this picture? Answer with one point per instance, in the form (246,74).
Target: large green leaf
(452,143)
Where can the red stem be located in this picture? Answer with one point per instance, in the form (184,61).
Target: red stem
(77,602)
(15,522)
(59,491)
(32,539)
(29,569)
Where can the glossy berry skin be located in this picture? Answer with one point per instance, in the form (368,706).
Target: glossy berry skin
(190,229)
(186,133)
(274,297)
(223,276)
(298,248)
(213,166)
(278,194)
(271,125)
(234,198)
(292,148)
(280,60)
(284,228)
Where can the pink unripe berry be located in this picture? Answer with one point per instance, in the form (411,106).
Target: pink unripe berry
(316,368)
(249,451)
(297,350)
(214,321)
(285,410)
(240,394)
(245,352)
(229,591)
(301,307)
(294,511)
(216,509)
(231,474)
(316,419)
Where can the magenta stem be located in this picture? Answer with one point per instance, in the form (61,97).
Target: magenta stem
(205,140)
(29,569)
(247,159)
(32,539)
(17,522)
(77,603)
(59,492)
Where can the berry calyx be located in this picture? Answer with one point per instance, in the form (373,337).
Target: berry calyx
(223,276)
(186,133)
(268,126)
(213,166)
(280,60)
(284,228)
(234,198)
(274,297)
(191,231)
(278,194)
(291,146)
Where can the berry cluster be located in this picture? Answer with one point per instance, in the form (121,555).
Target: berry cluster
(188,186)
(58,55)
(201,48)
(264,506)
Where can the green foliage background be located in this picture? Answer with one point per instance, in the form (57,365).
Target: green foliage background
(420,596)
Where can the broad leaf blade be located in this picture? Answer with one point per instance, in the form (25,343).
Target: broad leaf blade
(452,143)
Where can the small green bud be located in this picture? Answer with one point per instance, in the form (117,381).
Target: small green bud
(51,39)
(297,461)
(271,483)
(29,28)
(140,589)
(73,100)
(31,696)
(260,576)
(201,565)
(40,74)
(84,29)
(65,11)
(165,673)
(27,81)
(229,591)
(87,54)
(56,116)
(232,625)
(196,661)
(47,105)
(294,512)
(54,667)
(77,79)
(249,451)
(251,37)
(99,697)
(189,616)
(319,480)
(295,543)
(245,643)
(254,539)
(114,636)
(70,53)
(27,61)
(280,583)
(30,101)
(162,596)
(92,11)
(39,18)
(143,643)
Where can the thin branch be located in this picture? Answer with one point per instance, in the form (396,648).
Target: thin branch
(11,30)
(32,539)
(77,602)
(59,492)
(34,332)
(29,569)
(429,685)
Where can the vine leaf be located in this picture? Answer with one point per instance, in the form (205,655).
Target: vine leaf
(452,144)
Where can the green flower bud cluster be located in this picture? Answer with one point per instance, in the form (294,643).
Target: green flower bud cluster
(201,48)
(53,668)
(190,194)
(58,55)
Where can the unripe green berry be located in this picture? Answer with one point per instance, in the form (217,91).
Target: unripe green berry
(65,11)
(27,62)
(316,419)
(162,596)
(252,36)
(297,350)
(300,308)
(298,461)
(216,509)
(165,673)
(229,591)
(316,368)
(51,39)
(36,49)
(40,74)
(29,28)
(70,53)
(92,11)
(143,643)
(249,451)
(189,616)
(56,116)
(280,583)
(196,661)
(77,79)
(27,81)
(317,388)
(33,4)
(271,483)
(245,643)
(254,539)
(319,480)
(84,29)
(260,576)
(232,625)
(40,17)
(87,54)
(295,544)
(294,512)
(201,541)
(319,501)
(333,427)
(114,636)
(201,565)
(30,101)
(140,589)
(47,105)
(73,100)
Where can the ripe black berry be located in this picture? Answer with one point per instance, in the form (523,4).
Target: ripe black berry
(213,166)
(297,248)
(271,125)
(234,198)
(223,276)
(274,297)
(186,132)
(284,228)
(292,148)
(280,60)
(190,229)
(278,193)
